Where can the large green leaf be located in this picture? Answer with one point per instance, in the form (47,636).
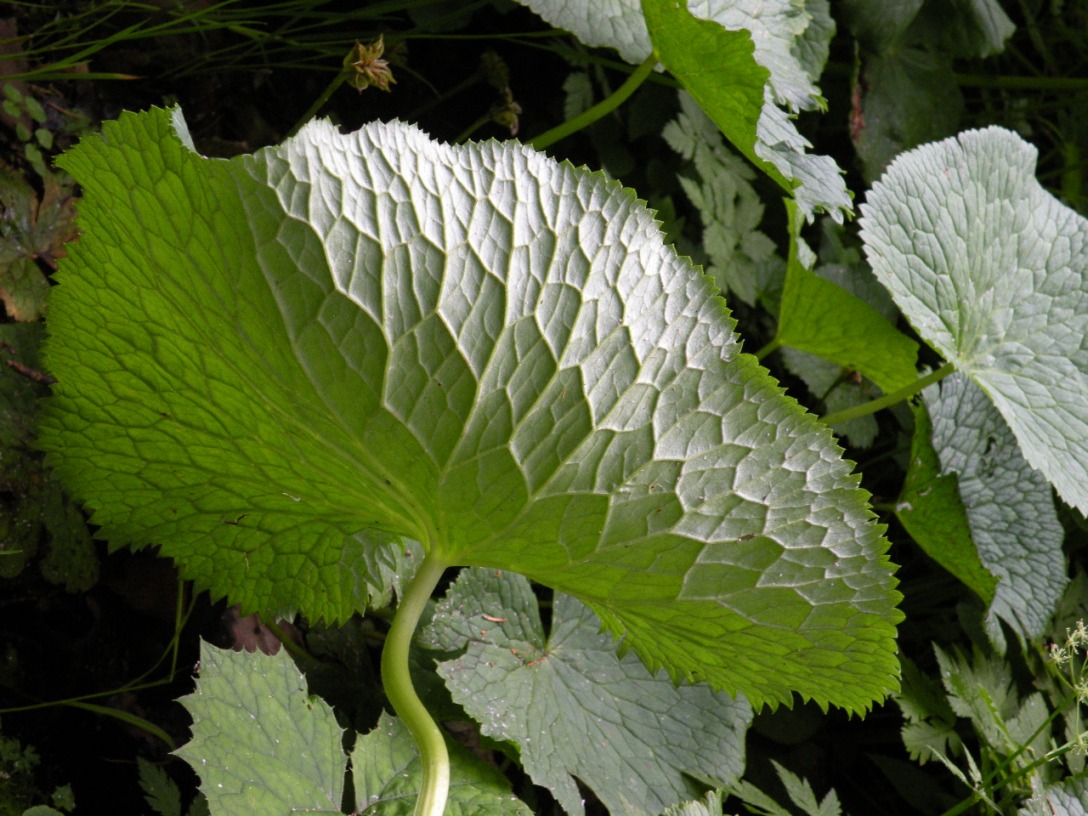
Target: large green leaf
(574,707)
(992,271)
(260,743)
(275,365)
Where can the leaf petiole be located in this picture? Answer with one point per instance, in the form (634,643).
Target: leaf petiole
(839,417)
(600,110)
(433,755)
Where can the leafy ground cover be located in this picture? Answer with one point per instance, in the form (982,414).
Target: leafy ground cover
(378,372)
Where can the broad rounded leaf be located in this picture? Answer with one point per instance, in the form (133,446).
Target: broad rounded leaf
(273,365)
(992,271)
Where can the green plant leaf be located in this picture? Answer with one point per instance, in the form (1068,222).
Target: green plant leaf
(804,797)
(276,365)
(740,60)
(991,271)
(930,728)
(981,688)
(901,99)
(737,83)
(385,765)
(932,511)
(799,791)
(575,708)
(160,791)
(1009,506)
(260,743)
(790,36)
(824,319)
(964,28)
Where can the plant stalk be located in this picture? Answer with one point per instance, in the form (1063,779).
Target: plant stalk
(839,417)
(322,98)
(600,110)
(433,755)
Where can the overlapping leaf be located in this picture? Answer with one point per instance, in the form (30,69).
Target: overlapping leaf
(821,317)
(1009,508)
(741,61)
(993,272)
(574,707)
(388,775)
(260,743)
(275,365)
(931,509)
(720,65)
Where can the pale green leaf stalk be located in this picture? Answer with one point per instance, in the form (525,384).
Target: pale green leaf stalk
(397,681)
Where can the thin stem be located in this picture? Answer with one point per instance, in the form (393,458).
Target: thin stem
(601,109)
(398,688)
(311,112)
(839,417)
(772,346)
(131,719)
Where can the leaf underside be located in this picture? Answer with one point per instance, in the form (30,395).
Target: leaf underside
(274,367)
(1009,508)
(576,708)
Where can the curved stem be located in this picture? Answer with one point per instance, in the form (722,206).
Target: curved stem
(771,347)
(337,81)
(839,417)
(406,703)
(601,109)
